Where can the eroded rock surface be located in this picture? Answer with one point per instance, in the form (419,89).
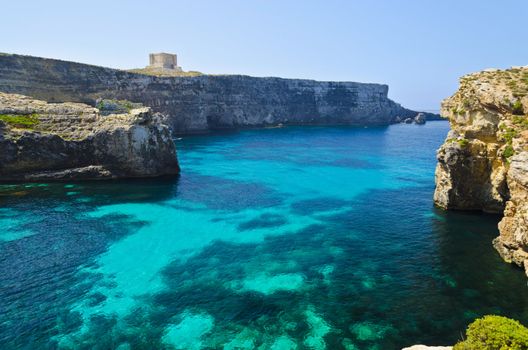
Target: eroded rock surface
(512,243)
(48,141)
(483,164)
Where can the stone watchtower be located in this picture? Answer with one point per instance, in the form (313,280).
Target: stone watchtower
(164,61)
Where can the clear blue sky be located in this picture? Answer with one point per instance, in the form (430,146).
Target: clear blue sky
(418,47)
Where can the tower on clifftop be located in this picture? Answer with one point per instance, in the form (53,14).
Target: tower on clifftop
(164,61)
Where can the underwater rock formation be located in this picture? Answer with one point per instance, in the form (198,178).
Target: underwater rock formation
(206,102)
(483,164)
(65,141)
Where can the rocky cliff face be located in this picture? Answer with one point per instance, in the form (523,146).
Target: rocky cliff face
(42,141)
(483,164)
(207,102)
(512,243)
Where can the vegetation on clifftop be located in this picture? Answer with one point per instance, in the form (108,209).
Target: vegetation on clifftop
(165,73)
(503,93)
(26,121)
(494,333)
(462,142)
(109,106)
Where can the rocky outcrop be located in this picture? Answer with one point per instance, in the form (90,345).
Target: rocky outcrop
(205,102)
(63,141)
(512,243)
(420,118)
(483,164)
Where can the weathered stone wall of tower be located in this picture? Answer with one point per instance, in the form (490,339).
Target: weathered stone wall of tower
(163,60)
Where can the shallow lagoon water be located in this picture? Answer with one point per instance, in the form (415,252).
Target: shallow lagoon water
(293,238)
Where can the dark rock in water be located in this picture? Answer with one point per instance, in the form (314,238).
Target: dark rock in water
(206,102)
(72,141)
(408,121)
(420,118)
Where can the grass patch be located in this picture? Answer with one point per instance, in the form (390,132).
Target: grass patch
(165,73)
(25,121)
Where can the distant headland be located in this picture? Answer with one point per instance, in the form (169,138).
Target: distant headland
(192,102)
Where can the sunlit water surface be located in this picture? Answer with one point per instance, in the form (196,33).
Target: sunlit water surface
(293,238)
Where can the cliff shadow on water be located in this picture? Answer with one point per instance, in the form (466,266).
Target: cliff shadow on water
(94,192)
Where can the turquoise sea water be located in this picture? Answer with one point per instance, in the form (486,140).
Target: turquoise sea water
(293,238)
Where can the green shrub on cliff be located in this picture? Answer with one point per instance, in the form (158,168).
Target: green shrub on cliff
(463,142)
(508,152)
(517,108)
(458,111)
(26,121)
(494,333)
(522,121)
(109,106)
(509,134)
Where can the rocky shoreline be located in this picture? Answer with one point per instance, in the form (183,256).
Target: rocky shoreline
(483,164)
(65,120)
(42,141)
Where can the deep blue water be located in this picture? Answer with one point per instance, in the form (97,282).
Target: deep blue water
(293,238)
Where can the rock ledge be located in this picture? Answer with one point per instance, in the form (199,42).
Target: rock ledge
(42,141)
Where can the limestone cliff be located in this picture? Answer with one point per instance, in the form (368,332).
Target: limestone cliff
(205,102)
(43,141)
(483,164)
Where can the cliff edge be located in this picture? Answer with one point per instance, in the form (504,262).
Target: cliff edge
(41,141)
(483,164)
(206,102)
